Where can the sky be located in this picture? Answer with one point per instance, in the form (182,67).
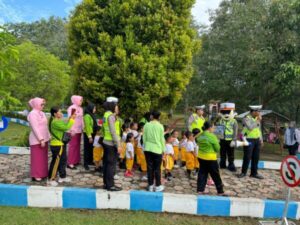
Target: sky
(32,10)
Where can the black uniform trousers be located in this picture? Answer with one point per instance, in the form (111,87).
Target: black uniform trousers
(88,150)
(209,167)
(62,162)
(110,158)
(153,161)
(226,151)
(251,152)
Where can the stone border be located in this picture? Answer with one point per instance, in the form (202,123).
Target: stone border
(85,198)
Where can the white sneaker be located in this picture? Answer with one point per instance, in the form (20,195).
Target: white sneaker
(52,183)
(116,177)
(144,178)
(151,188)
(160,188)
(66,180)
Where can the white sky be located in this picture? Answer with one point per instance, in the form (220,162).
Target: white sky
(200,10)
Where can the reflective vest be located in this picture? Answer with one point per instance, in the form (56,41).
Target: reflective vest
(106,132)
(228,128)
(253,134)
(197,123)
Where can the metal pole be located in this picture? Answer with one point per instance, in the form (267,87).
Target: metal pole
(284,217)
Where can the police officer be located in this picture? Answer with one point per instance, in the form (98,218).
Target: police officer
(252,131)
(197,120)
(230,131)
(111,142)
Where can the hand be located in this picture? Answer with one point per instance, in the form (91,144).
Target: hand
(262,143)
(90,140)
(119,149)
(42,143)
(259,118)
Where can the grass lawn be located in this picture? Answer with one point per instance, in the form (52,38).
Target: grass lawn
(14,135)
(34,216)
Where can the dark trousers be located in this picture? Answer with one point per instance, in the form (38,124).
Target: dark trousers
(88,150)
(251,152)
(293,149)
(62,162)
(153,167)
(226,151)
(110,158)
(210,167)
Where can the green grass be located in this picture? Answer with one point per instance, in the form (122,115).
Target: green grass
(14,135)
(34,216)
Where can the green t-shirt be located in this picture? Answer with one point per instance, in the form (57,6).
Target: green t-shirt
(153,137)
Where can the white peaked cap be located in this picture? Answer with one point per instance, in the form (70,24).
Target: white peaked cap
(255,107)
(227,106)
(200,107)
(112,99)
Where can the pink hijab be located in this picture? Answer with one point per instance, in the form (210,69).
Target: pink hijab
(76,99)
(36,103)
(78,125)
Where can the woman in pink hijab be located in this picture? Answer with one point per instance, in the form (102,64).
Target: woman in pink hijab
(38,140)
(76,130)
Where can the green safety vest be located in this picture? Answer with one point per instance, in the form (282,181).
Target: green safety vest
(253,134)
(106,132)
(197,123)
(228,128)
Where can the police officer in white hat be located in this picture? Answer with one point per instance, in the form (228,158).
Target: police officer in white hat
(197,119)
(230,131)
(252,131)
(111,142)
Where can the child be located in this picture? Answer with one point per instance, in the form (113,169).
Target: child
(129,155)
(97,152)
(140,153)
(175,147)
(169,156)
(133,130)
(57,127)
(190,151)
(125,131)
(196,133)
(182,146)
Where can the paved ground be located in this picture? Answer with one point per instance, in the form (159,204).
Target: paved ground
(14,169)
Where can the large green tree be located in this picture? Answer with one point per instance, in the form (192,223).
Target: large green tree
(38,73)
(251,55)
(50,33)
(9,55)
(137,50)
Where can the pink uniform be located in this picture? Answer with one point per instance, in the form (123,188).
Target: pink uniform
(76,130)
(39,131)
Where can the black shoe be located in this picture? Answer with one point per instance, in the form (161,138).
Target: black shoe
(86,167)
(114,188)
(242,175)
(223,165)
(257,176)
(232,168)
(71,168)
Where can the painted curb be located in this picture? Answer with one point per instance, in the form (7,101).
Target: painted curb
(10,150)
(85,198)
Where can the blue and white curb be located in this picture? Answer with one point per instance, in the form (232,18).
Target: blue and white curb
(14,150)
(18,121)
(84,198)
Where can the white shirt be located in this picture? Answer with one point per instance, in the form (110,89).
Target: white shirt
(183,143)
(135,133)
(175,142)
(196,147)
(169,149)
(190,147)
(96,141)
(129,150)
(124,136)
(139,145)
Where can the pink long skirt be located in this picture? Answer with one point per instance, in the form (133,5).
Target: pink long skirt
(39,161)
(74,150)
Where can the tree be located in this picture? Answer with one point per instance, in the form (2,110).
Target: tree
(251,54)
(50,33)
(38,73)
(137,50)
(8,56)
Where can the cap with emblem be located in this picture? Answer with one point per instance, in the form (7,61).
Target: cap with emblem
(227,106)
(112,99)
(255,107)
(200,107)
